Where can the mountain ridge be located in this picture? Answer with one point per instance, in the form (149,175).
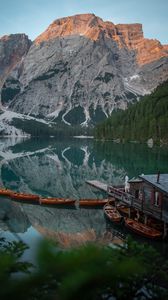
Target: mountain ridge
(92,26)
(81,69)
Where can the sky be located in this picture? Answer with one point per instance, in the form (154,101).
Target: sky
(32,17)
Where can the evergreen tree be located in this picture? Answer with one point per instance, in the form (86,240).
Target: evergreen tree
(146,119)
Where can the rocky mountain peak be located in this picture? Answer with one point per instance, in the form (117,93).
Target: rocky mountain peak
(13,45)
(12,49)
(88,25)
(91,26)
(128,36)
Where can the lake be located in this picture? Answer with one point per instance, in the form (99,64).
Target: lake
(60,169)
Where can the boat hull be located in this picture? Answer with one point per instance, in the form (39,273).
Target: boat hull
(5,192)
(57,201)
(93,202)
(112,214)
(24,197)
(142,229)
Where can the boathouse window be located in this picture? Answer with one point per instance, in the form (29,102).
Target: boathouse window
(156,199)
(140,195)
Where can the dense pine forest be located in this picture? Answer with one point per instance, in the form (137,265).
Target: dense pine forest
(146,119)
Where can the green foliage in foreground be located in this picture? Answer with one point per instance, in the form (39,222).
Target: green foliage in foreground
(146,119)
(87,272)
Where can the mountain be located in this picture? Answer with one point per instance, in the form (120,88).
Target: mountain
(13,48)
(146,120)
(81,69)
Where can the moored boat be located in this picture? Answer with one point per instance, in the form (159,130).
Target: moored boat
(142,229)
(24,197)
(125,210)
(112,213)
(57,201)
(5,192)
(93,202)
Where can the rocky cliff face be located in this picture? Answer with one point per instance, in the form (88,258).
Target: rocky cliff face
(82,68)
(12,50)
(90,26)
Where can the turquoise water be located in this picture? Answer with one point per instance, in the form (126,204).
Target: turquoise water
(60,169)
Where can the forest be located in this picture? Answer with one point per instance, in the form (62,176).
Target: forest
(146,119)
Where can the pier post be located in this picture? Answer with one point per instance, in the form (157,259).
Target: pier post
(165,230)
(145,219)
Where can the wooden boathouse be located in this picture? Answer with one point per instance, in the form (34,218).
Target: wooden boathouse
(147,194)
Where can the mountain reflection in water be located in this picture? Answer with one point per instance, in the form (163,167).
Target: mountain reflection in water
(60,169)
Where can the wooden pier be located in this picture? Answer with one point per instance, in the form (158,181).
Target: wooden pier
(147,194)
(98,184)
(126,198)
(112,192)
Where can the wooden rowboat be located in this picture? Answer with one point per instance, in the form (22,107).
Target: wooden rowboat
(93,202)
(24,197)
(57,201)
(142,229)
(5,192)
(112,213)
(124,210)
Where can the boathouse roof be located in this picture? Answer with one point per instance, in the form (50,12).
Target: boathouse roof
(135,180)
(160,181)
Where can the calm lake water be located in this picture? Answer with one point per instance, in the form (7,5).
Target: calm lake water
(60,169)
